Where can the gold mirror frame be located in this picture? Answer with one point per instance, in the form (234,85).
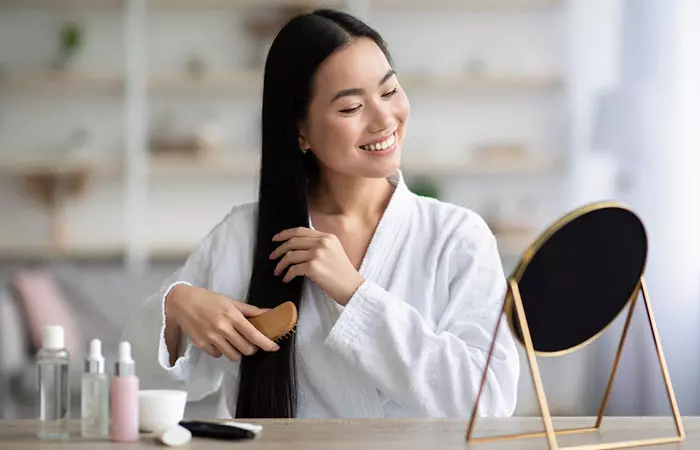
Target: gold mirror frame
(512,299)
(530,253)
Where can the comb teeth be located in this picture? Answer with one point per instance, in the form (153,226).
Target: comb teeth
(285,336)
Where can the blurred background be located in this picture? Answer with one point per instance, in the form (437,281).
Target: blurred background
(129,128)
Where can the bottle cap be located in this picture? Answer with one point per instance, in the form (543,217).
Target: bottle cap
(95,362)
(54,337)
(125,365)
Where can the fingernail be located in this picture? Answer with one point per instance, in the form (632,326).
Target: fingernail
(276,347)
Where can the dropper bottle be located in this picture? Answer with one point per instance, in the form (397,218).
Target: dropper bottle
(95,394)
(124,398)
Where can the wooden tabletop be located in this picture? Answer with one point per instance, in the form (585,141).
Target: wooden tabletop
(383,434)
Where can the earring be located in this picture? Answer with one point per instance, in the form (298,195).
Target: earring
(303,150)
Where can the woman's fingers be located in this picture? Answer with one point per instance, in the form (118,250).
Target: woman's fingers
(296,232)
(255,337)
(223,345)
(293,257)
(249,310)
(211,350)
(297,270)
(297,243)
(240,343)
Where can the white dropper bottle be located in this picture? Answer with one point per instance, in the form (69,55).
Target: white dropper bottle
(95,394)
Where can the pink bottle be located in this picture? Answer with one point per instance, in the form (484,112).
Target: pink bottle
(124,398)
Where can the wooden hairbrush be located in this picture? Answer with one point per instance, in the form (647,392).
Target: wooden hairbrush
(277,324)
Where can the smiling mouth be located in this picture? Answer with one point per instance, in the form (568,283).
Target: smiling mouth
(382,145)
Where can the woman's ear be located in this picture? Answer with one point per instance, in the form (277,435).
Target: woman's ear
(303,144)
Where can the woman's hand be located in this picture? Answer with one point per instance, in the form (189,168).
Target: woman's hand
(216,324)
(320,257)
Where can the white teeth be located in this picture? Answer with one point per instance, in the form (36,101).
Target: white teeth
(381,145)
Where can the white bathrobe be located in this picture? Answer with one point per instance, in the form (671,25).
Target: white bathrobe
(411,342)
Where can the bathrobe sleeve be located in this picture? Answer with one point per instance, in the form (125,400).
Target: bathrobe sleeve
(436,371)
(195,371)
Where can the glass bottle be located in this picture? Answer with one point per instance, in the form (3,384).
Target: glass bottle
(54,387)
(94,395)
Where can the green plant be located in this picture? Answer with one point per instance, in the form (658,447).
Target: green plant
(425,187)
(71,38)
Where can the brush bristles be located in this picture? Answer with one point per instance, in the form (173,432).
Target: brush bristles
(283,337)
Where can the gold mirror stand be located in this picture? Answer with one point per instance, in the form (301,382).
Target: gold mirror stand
(549,432)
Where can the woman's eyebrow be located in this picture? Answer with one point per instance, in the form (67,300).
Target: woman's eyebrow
(358,91)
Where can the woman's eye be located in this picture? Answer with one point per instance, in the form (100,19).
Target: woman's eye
(390,93)
(350,110)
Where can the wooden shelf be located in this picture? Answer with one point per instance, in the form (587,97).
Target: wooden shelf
(200,4)
(486,82)
(413,165)
(82,252)
(164,4)
(247,164)
(61,4)
(47,80)
(241,80)
(466,4)
(252,81)
(509,247)
(243,165)
(28,166)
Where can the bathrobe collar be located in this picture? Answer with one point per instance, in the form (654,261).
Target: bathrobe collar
(390,228)
(360,397)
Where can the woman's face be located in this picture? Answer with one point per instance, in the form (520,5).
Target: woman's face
(358,113)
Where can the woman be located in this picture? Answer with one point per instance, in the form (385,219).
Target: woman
(397,294)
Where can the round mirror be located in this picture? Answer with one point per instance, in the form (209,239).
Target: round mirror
(578,276)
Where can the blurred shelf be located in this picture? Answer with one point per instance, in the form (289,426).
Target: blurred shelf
(61,4)
(509,247)
(466,4)
(482,82)
(200,4)
(162,4)
(247,164)
(239,80)
(243,165)
(27,166)
(72,81)
(15,253)
(423,166)
(252,81)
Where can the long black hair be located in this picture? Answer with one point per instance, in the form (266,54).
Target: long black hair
(267,386)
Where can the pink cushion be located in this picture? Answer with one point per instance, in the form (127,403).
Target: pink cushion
(43,304)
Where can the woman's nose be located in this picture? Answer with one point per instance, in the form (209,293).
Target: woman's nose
(382,118)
